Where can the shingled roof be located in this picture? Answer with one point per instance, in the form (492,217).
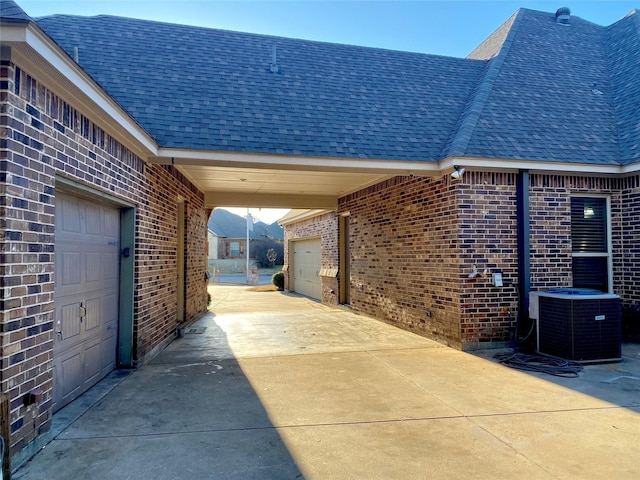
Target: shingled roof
(550,94)
(201,88)
(535,90)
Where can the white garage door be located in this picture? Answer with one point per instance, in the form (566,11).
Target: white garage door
(86,295)
(306,268)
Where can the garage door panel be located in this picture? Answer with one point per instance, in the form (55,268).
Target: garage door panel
(69,319)
(92,363)
(92,314)
(110,264)
(92,270)
(112,224)
(70,373)
(108,345)
(70,216)
(93,223)
(70,264)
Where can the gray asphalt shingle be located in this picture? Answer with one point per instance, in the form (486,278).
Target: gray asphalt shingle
(624,65)
(542,103)
(201,88)
(11,12)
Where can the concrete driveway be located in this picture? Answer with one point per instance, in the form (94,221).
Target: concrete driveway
(272,385)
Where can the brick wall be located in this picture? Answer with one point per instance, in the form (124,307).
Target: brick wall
(550,213)
(487,237)
(156,247)
(326,227)
(628,258)
(405,262)
(43,137)
(414,243)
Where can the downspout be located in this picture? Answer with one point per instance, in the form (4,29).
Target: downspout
(524,251)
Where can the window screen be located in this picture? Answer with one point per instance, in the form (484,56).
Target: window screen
(589,242)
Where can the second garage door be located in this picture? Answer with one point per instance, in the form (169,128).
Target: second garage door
(306,268)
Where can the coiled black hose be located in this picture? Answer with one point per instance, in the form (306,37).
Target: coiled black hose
(537,363)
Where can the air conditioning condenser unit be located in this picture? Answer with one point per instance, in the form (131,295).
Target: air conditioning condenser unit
(578,324)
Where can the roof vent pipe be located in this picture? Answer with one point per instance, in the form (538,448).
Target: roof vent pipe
(75,54)
(563,15)
(274,60)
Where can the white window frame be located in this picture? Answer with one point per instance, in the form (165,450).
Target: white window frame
(609,253)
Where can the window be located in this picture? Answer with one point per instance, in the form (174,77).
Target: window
(590,243)
(235,249)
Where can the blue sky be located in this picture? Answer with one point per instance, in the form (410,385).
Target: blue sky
(452,28)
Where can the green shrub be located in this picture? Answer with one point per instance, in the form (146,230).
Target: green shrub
(278,280)
(208,299)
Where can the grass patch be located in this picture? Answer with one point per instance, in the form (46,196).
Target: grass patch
(263,288)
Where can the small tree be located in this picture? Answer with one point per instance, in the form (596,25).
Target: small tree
(260,249)
(272,256)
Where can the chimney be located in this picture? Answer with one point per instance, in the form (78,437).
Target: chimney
(563,15)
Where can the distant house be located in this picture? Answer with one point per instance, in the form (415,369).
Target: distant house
(415,179)
(231,232)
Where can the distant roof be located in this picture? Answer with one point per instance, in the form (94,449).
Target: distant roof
(224,223)
(534,90)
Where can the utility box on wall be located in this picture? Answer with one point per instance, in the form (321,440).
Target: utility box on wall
(577,324)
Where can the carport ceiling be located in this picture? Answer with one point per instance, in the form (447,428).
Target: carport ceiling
(241,180)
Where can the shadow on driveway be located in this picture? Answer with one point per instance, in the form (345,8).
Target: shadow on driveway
(190,414)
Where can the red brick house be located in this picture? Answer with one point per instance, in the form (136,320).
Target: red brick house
(110,167)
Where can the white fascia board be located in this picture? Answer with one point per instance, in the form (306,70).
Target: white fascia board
(168,156)
(632,168)
(537,166)
(287,219)
(29,40)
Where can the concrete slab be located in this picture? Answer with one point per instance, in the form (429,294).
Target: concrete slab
(277,386)
(449,449)
(338,388)
(241,454)
(582,444)
(476,386)
(173,398)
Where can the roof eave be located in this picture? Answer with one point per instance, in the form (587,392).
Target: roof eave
(539,166)
(31,49)
(295,216)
